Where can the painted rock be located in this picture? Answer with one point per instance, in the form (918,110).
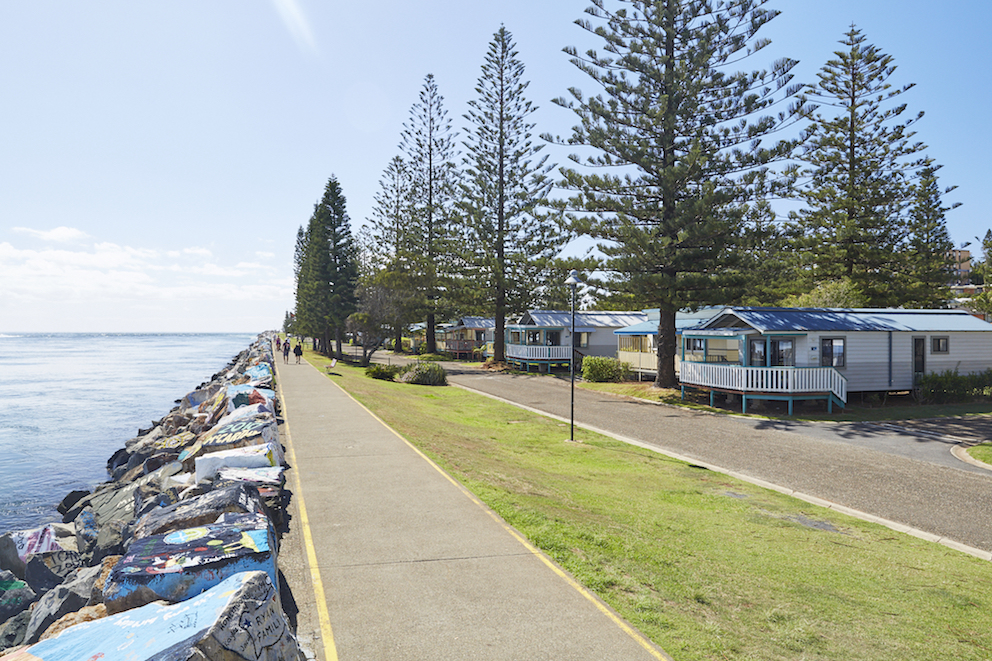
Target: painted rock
(238,619)
(181,564)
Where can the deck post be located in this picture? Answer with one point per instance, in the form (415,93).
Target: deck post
(790,406)
(743,403)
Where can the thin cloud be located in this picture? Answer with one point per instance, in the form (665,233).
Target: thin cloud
(296,22)
(58,235)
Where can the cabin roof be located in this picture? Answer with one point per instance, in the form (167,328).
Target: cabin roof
(683,320)
(585,321)
(474,323)
(770,320)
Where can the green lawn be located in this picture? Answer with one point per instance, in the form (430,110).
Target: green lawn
(706,566)
(981,452)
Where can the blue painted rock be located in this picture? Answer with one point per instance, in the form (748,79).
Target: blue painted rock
(238,619)
(181,564)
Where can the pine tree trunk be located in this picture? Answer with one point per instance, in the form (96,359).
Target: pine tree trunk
(666,351)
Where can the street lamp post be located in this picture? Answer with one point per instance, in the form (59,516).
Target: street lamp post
(572,281)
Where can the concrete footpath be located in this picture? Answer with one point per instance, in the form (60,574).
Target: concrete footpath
(388,558)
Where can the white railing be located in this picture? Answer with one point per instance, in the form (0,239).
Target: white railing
(765,379)
(537,352)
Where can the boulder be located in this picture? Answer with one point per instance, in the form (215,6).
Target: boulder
(12,631)
(252,456)
(106,566)
(70,500)
(253,430)
(116,504)
(43,571)
(237,620)
(86,530)
(181,564)
(15,595)
(16,546)
(246,394)
(66,598)
(200,510)
(84,614)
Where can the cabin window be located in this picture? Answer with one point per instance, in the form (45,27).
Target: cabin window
(833,352)
(580,340)
(534,337)
(514,337)
(939,345)
(756,353)
(636,343)
(783,353)
(695,349)
(553,338)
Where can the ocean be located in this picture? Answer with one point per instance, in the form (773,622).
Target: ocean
(70,400)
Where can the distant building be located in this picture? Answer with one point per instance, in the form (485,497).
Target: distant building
(962,266)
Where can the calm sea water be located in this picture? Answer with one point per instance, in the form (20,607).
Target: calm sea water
(70,400)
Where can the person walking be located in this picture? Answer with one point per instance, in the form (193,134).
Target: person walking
(298,351)
(285,352)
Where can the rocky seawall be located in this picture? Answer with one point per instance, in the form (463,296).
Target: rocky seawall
(176,555)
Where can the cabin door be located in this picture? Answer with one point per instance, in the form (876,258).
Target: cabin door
(919,358)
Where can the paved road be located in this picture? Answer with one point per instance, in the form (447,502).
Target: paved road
(411,565)
(904,474)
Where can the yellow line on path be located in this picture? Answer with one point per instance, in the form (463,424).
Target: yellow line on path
(603,608)
(326,634)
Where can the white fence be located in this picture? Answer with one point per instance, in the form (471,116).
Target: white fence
(537,352)
(784,380)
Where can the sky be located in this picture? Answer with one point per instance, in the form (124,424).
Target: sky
(158,157)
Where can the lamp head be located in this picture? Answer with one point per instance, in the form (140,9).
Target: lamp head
(573,279)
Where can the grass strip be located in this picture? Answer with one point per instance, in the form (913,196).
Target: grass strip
(706,566)
(981,452)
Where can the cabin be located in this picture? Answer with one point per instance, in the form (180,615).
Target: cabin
(542,338)
(792,354)
(637,345)
(466,337)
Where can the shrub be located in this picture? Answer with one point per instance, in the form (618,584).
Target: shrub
(949,386)
(426,373)
(384,372)
(603,368)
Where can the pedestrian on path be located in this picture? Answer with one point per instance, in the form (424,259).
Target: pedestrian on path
(298,351)
(285,352)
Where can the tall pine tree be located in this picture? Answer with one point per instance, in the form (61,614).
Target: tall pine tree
(511,239)
(929,265)
(326,271)
(428,143)
(857,165)
(396,241)
(684,131)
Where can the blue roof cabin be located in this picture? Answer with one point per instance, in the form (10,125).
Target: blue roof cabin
(542,338)
(466,336)
(793,354)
